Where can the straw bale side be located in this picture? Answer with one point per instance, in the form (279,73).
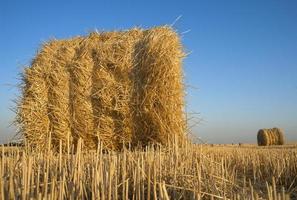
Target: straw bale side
(33,108)
(159,88)
(116,87)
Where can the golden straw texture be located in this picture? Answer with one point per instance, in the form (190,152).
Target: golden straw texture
(120,88)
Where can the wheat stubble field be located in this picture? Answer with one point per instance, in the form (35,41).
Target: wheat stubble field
(188,172)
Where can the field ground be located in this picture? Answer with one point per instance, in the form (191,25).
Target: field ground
(254,146)
(191,172)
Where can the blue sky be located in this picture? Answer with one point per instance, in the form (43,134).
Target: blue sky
(243,55)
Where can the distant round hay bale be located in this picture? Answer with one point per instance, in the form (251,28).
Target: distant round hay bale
(272,136)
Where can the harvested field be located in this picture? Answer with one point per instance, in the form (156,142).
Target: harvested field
(190,172)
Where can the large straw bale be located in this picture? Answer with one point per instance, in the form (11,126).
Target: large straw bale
(117,87)
(273,136)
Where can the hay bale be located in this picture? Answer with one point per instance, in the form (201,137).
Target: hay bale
(116,87)
(273,136)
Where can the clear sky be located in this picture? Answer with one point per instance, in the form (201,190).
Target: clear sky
(243,55)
